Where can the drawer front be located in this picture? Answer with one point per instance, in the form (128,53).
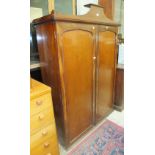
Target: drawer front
(40,103)
(43,135)
(41,119)
(49,147)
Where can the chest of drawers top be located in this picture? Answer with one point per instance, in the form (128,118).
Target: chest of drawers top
(37,89)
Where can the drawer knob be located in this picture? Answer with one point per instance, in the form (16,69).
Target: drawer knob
(44,133)
(39,102)
(46,145)
(41,117)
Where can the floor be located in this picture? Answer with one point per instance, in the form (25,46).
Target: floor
(115,116)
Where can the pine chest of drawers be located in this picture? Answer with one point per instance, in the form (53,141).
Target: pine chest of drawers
(42,123)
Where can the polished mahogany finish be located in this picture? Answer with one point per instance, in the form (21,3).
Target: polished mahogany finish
(105,73)
(77,55)
(108,7)
(119,88)
(78,81)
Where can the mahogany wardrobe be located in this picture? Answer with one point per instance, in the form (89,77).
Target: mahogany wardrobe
(78,60)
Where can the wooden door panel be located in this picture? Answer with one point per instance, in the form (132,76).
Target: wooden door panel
(77,53)
(105,73)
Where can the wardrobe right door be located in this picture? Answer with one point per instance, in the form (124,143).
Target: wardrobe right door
(106,66)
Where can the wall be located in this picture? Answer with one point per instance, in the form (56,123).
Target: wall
(122,19)
(119,14)
(119,17)
(35,13)
(40,4)
(81,9)
(64,7)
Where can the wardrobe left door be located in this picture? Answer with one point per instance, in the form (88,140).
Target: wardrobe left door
(76,50)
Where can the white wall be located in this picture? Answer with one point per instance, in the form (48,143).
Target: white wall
(119,14)
(81,9)
(35,13)
(117,10)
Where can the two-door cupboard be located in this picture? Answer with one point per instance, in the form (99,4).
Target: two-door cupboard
(78,60)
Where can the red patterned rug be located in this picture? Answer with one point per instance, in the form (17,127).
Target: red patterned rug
(107,139)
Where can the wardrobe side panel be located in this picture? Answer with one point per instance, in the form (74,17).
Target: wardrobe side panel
(47,47)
